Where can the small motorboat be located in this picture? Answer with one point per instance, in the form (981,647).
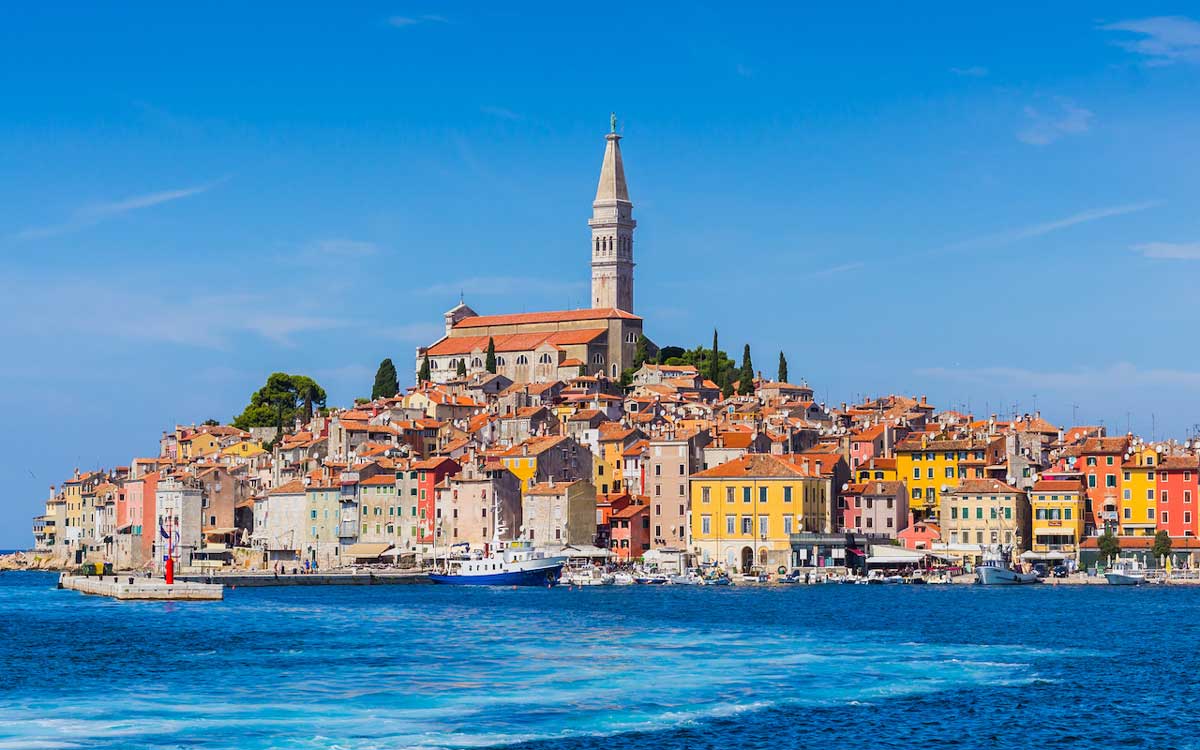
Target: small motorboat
(718,579)
(622,579)
(650,579)
(690,578)
(1126,573)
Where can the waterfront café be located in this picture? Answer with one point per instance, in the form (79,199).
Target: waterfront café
(892,557)
(816,550)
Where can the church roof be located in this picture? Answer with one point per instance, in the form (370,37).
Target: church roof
(554,316)
(516,342)
(612,173)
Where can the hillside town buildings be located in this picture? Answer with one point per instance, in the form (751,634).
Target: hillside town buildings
(582,441)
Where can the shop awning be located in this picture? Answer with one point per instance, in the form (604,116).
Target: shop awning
(367,550)
(1031,555)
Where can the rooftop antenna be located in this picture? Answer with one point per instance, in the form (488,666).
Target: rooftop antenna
(1074,414)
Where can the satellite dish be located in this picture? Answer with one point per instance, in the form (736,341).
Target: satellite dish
(845,486)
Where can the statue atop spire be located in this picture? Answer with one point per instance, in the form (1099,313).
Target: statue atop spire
(612,122)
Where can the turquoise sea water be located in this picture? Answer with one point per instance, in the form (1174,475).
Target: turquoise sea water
(392,667)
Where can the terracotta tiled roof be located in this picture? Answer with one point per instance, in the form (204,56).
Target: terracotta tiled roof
(293,487)
(1057,485)
(1179,463)
(1105,445)
(757,465)
(517,342)
(983,487)
(557,316)
(535,446)
(557,488)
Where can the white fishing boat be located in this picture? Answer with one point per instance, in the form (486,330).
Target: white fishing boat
(623,579)
(504,563)
(1126,573)
(589,576)
(690,578)
(995,569)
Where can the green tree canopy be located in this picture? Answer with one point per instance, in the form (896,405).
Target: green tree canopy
(490,363)
(746,374)
(387,383)
(782,368)
(701,358)
(283,398)
(423,375)
(461,370)
(1109,545)
(211,422)
(1162,545)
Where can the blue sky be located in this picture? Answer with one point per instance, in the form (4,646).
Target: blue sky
(990,206)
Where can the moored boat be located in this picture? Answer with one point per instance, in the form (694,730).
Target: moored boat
(1126,573)
(513,564)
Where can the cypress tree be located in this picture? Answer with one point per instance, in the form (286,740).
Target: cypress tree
(746,376)
(642,352)
(782,368)
(423,375)
(714,365)
(387,383)
(489,364)
(727,385)
(462,367)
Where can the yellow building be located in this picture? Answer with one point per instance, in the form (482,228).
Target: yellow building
(1137,508)
(877,470)
(931,466)
(1058,508)
(744,511)
(198,444)
(608,464)
(244,449)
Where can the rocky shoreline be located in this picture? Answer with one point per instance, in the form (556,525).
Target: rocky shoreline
(30,561)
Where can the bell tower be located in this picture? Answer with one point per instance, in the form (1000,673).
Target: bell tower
(612,231)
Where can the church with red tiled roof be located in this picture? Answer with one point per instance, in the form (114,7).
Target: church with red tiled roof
(546,346)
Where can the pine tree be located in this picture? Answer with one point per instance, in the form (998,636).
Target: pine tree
(423,375)
(746,375)
(782,368)
(727,385)
(387,384)
(489,364)
(461,371)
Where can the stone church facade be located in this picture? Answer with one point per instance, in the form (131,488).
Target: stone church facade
(545,346)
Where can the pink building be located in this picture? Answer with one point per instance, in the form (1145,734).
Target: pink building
(866,443)
(630,529)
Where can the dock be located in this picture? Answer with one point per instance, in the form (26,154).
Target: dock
(131,588)
(347,578)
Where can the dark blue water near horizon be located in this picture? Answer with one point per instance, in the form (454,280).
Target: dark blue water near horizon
(391,667)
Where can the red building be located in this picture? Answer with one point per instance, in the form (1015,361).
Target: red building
(630,529)
(1178,490)
(850,506)
(430,473)
(1100,461)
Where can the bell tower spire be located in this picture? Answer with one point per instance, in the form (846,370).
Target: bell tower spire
(612,231)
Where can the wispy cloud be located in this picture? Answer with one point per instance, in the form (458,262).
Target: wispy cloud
(1047,227)
(1162,40)
(974,71)
(419,333)
(843,268)
(1061,117)
(340,248)
(506,285)
(94,213)
(1115,377)
(403,22)
(1169,250)
(159,313)
(501,112)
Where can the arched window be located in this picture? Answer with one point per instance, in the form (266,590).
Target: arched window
(631,338)
(597,358)
(477,362)
(499,361)
(522,360)
(545,359)
(614,369)
(433,365)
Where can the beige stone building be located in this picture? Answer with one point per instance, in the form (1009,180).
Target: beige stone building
(475,499)
(557,513)
(983,513)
